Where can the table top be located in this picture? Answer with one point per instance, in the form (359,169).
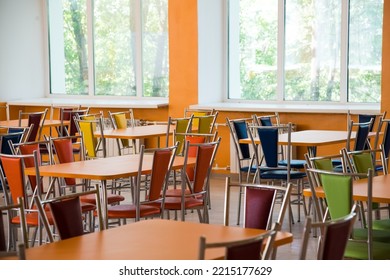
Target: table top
(312,137)
(105,168)
(154,239)
(137,132)
(380,189)
(15,123)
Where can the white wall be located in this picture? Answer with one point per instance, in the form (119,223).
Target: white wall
(22,70)
(211,50)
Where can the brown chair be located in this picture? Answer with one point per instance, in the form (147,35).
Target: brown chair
(67,214)
(333,239)
(153,204)
(197,198)
(35,118)
(258,247)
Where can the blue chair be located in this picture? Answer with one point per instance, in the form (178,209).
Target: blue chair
(244,157)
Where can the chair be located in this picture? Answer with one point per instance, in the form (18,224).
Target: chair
(204,124)
(199,186)
(63,114)
(334,237)
(382,140)
(182,125)
(67,114)
(338,188)
(197,113)
(35,118)
(247,249)
(153,204)
(361,162)
(10,246)
(67,214)
(12,175)
(270,169)
(244,156)
(123,120)
(87,125)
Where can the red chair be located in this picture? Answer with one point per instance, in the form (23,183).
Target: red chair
(153,205)
(199,186)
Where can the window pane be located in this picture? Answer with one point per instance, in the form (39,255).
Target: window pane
(68,46)
(312,54)
(155,47)
(114,47)
(255,51)
(365,50)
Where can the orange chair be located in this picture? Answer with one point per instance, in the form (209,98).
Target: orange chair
(12,168)
(199,186)
(153,205)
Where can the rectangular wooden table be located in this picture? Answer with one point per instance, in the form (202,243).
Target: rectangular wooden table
(154,239)
(24,123)
(137,132)
(380,190)
(104,169)
(312,138)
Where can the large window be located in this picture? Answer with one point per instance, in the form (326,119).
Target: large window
(305,50)
(108,47)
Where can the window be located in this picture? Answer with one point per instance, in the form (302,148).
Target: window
(305,50)
(108,47)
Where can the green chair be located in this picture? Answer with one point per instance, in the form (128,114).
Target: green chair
(338,188)
(360,162)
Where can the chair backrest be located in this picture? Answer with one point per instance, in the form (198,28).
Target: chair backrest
(67,214)
(6,210)
(333,239)
(362,131)
(87,126)
(247,249)
(197,113)
(267,120)
(205,155)
(260,201)
(35,118)
(204,124)
(15,137)
(182,125)
(12,175)
(162,162)
(67,114)
(238,131)
(122,119)
(62,150)
(382,137)
(363,160)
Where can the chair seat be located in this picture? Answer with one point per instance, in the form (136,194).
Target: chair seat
(127,211)
(174,203)
(87,207)
(381,224)
(253,169)
(32,219)
(111,198)
(294,163)
(358,250)
(175,192)
(281,174)
(377,235)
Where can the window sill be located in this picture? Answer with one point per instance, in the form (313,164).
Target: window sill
(289,108)
(92,102)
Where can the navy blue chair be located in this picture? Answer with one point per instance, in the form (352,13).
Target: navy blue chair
(244,156)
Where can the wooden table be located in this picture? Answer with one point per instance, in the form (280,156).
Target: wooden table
(47,123)
(147,240)
(380,190)
(104,169)
(312,138)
